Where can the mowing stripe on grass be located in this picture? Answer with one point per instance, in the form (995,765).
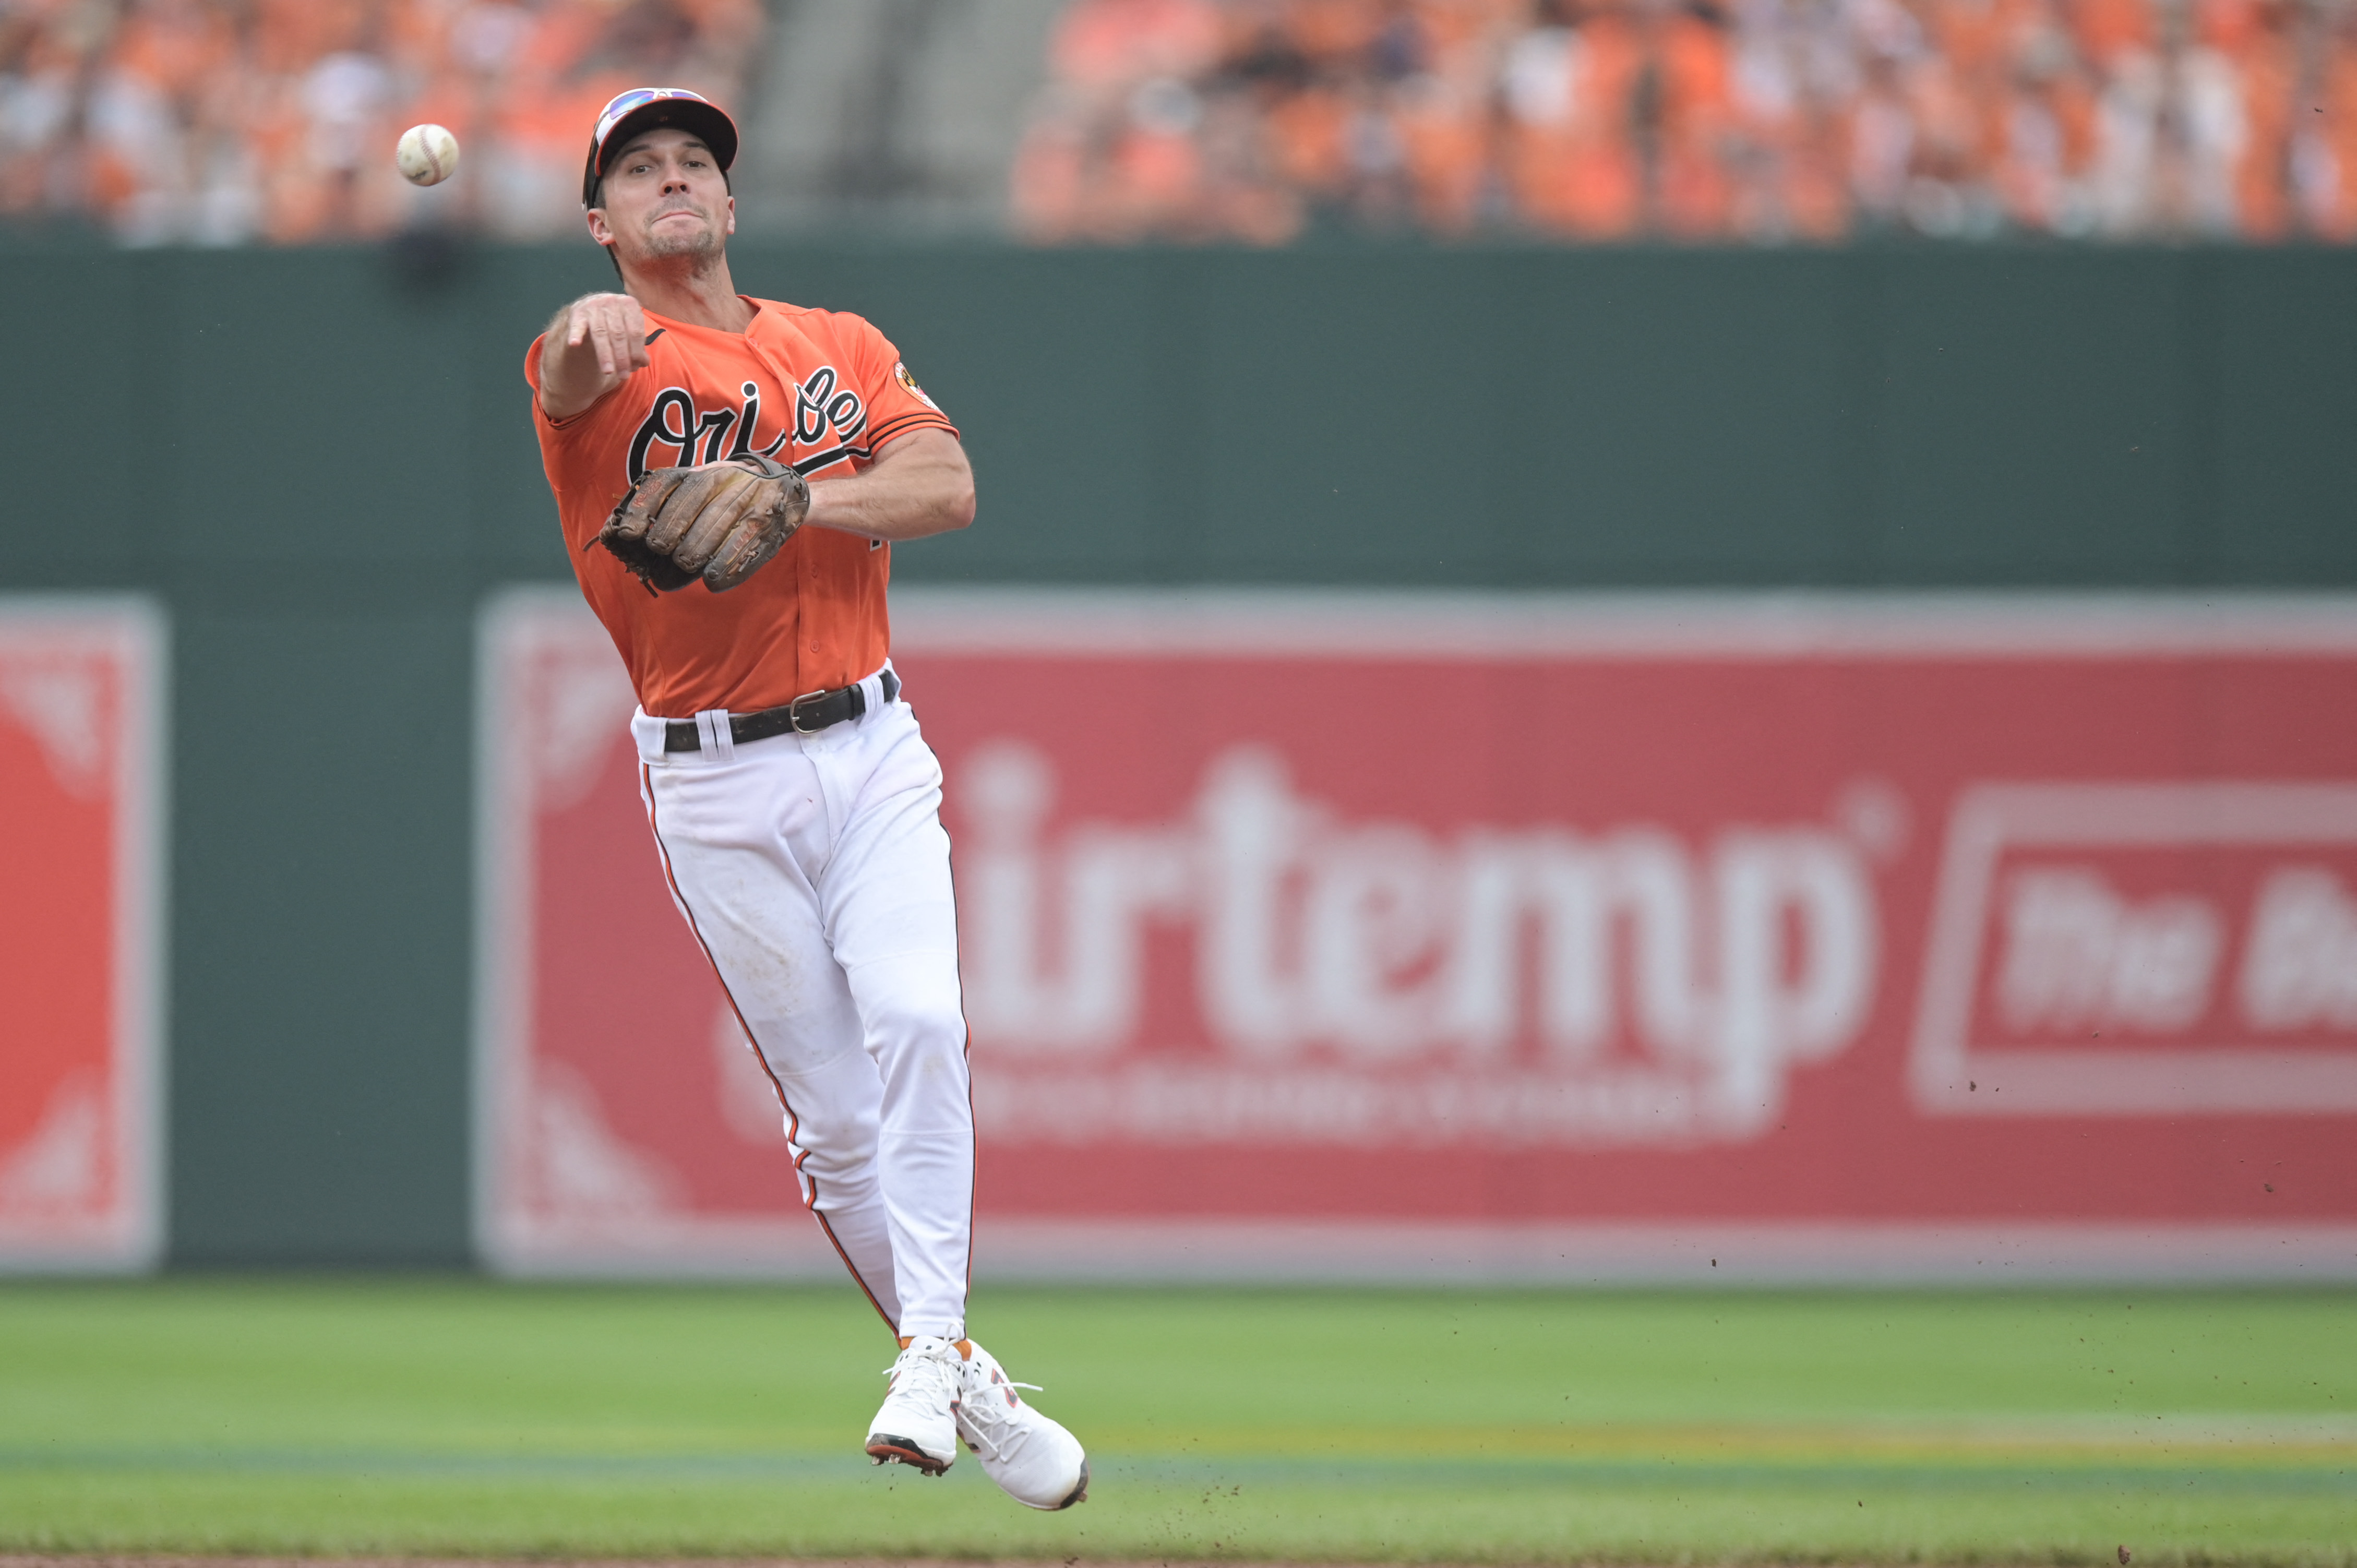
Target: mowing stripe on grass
(2247,1480)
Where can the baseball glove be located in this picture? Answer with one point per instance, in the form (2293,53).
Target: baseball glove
(719,522)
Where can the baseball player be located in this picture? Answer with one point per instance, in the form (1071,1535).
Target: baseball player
(732,474)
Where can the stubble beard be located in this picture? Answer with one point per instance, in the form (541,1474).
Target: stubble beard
(700,247)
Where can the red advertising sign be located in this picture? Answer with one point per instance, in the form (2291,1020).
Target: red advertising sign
(1570,938)
(80,802)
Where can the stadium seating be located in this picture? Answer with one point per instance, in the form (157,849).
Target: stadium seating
(1743,121)
(1255,122)
(224,122)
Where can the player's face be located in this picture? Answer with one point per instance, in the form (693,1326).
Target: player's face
(664,197)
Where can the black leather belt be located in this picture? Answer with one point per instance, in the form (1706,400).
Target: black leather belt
(804,715)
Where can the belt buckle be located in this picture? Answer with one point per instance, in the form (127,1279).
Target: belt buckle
(794,711)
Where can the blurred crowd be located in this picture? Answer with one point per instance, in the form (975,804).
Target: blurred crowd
(224,122)
(1746,121)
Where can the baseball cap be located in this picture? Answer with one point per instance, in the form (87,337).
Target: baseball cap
(642,107)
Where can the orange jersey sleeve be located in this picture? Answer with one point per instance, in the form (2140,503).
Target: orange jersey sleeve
(823,390)
(896,403)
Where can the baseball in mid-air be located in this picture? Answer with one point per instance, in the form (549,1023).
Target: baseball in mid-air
(427,155)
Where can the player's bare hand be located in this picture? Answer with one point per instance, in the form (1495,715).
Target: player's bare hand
(593,346)
(614,328)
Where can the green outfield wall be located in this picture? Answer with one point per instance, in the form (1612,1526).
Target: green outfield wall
(320,462)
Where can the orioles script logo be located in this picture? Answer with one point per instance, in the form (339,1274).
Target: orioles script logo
(683,435)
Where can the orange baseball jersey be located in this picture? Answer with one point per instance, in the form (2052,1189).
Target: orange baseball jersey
(821,390)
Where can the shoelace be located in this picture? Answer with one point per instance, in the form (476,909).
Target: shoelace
(989,1416)
(934,1369)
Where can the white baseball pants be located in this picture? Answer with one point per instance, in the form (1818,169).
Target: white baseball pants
(815,873)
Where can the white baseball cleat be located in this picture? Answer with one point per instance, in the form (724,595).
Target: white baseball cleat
(1033,1459)
(918,1424)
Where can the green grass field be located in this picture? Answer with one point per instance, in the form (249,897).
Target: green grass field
(468,1418)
